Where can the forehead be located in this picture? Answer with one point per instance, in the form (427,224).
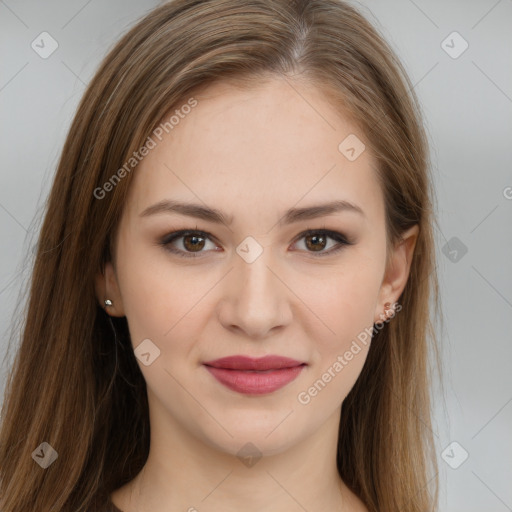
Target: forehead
(268,147)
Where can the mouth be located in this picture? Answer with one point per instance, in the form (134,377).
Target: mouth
(252,376)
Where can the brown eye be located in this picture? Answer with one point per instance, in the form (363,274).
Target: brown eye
(193,242)
(323,242)
(316,242)
(188,243)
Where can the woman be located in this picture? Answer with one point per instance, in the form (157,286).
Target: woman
(230,300)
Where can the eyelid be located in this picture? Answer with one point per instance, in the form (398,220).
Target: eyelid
(341,240)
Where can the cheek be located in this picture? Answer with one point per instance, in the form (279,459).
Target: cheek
(146,293)
(351,309)
(346,306)
(343,302)
(163,302)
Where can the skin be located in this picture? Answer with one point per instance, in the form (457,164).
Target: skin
(251,154)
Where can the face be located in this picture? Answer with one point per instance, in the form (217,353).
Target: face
(265,274)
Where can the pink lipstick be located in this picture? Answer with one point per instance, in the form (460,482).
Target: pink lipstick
(252,376)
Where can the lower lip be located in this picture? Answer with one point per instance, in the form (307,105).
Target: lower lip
(255,383)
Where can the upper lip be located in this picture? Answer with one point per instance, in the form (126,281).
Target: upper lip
(270,362)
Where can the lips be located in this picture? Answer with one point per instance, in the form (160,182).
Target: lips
(248,375)
(249,363)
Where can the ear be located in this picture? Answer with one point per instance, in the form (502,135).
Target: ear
(397,272)
(107,287)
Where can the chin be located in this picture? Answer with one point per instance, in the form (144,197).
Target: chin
(267,435)
(252,445)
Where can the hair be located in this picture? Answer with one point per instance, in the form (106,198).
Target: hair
(75,382)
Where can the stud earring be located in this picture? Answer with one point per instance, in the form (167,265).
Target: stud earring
(388,309)
(108,302)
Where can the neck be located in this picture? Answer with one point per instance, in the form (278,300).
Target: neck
(184,472)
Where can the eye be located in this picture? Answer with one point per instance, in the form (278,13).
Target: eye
(316,240)
(193,242)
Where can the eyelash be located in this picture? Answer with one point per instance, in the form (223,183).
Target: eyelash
(171,237)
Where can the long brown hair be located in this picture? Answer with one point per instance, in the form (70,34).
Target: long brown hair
(75,383)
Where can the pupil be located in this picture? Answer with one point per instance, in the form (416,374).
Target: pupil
(315,237)
(195,244)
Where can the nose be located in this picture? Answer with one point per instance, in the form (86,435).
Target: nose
(256,300)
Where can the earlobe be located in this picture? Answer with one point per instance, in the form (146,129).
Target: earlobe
(398,270)
(107,291)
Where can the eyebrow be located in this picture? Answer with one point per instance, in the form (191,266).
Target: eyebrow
(213,215)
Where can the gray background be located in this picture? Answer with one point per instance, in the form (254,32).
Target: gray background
(467,103)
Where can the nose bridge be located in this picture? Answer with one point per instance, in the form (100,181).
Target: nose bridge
(259,301)
(253,269)
(257,281)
